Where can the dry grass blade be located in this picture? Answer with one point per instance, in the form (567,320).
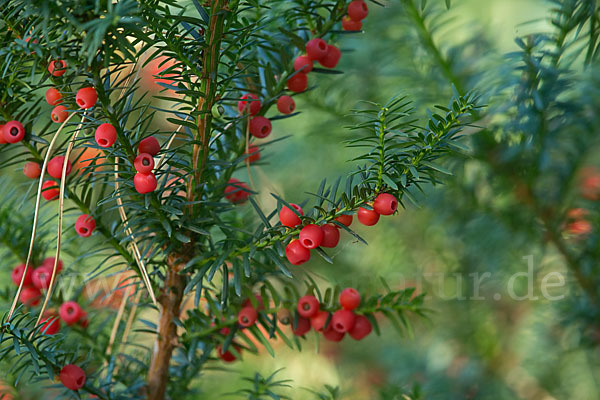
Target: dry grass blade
(36,214)
(61,199)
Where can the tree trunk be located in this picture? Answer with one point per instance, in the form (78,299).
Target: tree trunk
(170,307)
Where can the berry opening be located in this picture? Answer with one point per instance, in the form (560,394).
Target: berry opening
(394,205)
(339,327)
(103,142)
(83,230)
(322,45)
(145,162)
(14,131)
(264,129)
(54,117)
(307,243)
(306,306)
(245,320)
(80,102)
(80,380)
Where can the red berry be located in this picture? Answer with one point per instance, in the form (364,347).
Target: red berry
(362,327)
(2,139)
(32,170)
(144,183)
(50,190)
(49,263)
(367,217)
(72,377)
(286,105)
(144,163)
(85,225)
(302,327)
(318,321)
(303,63)
(260,304)
(351,26)
(70,312)
(55,167)
(288,217)
(228,356)
(345,219)
(254,153)
(59,114)
(237,191)
(249,103)
(224,331)
(50,325)
(342,320)
(105,135)
(385,204)
(30,296)
(358,10)
(308,306)
(41,277)
(316,49)
(53,96)
(332,58)
(86,97)
(311,236)
(247,317)
(298,83)
(149,145)
(260,127)
(332,335)
(349,298)
(13,132)
(296,253)
(57,68)
(581,227)
(17,275)
(331,236)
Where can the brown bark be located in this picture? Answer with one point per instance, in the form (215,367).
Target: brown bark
(170,308)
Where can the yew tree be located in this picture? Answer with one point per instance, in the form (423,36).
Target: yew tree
(133,127)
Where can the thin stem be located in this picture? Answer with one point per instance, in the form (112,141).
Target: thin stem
(210,64)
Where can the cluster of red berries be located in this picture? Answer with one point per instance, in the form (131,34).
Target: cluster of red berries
(316,50)
(85,98)
(328,235)
(333,326)
(145,180)
(259,126)
(34,282)
(577,223)
(50,190)
(356,12)
(72,376)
